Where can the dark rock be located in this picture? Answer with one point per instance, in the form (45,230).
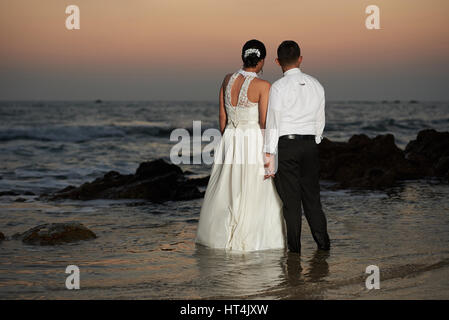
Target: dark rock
(430,152)
(56,233)
(156,181)
(365,162)
(16,236)
(2,236)
(200,182)
(8,193)
(20,200)
(442,166)
(157,167)
(16,193)
(66,189)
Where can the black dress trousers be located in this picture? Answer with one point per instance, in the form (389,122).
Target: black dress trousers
(297,183)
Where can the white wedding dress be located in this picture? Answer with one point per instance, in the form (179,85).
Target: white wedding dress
(241,211)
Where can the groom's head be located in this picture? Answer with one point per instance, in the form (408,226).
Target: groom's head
(289,55)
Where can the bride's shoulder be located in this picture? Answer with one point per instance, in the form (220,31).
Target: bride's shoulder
(226,79)
(262,84)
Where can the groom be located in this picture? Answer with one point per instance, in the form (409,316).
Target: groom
(294,127)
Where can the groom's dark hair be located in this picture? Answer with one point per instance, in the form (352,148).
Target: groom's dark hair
(288,52)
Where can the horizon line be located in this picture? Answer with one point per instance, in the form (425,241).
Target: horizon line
(99,100)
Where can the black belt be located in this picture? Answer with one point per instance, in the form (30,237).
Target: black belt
(298,137)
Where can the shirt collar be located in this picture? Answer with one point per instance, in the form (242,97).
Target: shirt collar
(292,71)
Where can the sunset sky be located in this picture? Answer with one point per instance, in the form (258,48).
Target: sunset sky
(180,50)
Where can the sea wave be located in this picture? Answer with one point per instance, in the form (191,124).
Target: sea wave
(81,133)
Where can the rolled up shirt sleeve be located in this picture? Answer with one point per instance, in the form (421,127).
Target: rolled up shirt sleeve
(271,135)
(320,122)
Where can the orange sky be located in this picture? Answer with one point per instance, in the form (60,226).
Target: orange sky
(189,45)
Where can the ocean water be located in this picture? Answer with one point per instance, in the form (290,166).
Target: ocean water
(147,251)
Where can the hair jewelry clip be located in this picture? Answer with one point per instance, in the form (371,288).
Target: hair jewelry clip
(249,51)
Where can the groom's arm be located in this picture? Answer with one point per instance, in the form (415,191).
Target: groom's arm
(320,121)
(271,136)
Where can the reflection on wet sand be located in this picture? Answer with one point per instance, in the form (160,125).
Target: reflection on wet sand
(300,274)
(318,266)
(237,274)
(250,274)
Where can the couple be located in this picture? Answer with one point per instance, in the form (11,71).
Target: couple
(247,207)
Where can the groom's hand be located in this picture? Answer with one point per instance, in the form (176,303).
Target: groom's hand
(269,165)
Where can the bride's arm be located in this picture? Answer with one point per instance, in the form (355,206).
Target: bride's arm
(222,110)
(263,103)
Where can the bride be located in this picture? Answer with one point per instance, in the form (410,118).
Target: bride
(241,210)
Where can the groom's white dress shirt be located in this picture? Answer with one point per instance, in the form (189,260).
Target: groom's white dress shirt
(296,106)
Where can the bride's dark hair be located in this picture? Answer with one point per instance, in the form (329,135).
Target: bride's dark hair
(253,57)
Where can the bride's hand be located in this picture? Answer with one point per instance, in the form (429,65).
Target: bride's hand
(269,166)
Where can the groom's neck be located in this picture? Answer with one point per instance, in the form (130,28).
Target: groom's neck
(286,68)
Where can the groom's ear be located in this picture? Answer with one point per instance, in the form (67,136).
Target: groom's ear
(299,60)
(277,62)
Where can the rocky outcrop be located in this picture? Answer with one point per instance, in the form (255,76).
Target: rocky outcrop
(156,181)
(362,162)
(2,236)
(430,152)
(375,163)
(55,233)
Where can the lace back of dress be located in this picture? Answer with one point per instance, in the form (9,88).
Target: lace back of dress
(242,100)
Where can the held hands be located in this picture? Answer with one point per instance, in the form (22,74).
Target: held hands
(269,165)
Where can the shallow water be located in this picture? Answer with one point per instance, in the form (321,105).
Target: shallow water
(147,251)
